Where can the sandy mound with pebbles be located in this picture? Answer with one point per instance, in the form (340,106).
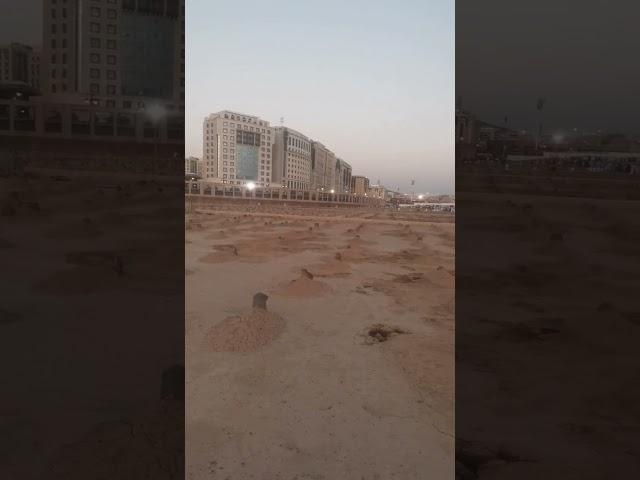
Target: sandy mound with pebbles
(305,287)
(332,267)
(245,333)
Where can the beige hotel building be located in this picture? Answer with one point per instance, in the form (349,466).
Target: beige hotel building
(323,166)
(291,159)
(236,149)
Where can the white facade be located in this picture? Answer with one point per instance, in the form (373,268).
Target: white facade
(323,167)
(291,159)
(237,149)
(192,167)
(342,180)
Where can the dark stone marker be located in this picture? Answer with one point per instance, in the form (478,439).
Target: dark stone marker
(260,301)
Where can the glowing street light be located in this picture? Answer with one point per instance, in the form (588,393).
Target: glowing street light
(251,185)
(333,191)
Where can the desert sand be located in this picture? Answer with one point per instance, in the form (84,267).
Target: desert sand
(350,372)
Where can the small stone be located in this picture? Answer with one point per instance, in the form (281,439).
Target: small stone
(260,301)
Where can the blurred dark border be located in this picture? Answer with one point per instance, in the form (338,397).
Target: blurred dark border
(548,230)
(92,239)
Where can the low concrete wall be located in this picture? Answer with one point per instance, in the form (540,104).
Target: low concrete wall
(208,199)
(276,194)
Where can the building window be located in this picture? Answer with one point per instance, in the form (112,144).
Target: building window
(94,88)
(95,12)
(111,13)
(94,58)
(95,27)
(95,42)
(111,29)
(111,59)
(94,73)
(111,44)
(111,89)
(111,74)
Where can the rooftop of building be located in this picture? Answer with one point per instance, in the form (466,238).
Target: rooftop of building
(229,114)
(292,131)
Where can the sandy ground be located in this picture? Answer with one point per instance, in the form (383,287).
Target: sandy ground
(349,375)
(547,332)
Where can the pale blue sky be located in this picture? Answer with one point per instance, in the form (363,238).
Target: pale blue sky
(372,80)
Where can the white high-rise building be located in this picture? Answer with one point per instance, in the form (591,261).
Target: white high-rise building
(192,167)
(323,167)
(236,149)
(291,159)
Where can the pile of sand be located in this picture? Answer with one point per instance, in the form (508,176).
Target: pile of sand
(305,287)
(357,242)
(245,333)
(222,253)
(332,268)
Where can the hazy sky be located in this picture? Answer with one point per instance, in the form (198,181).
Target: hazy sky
(372,80)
